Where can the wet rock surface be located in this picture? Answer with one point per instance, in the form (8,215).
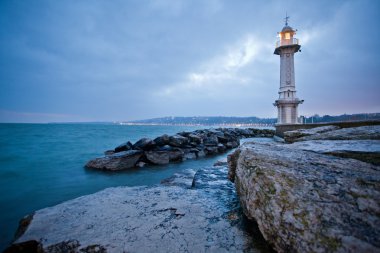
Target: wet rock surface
(179,147)
(305,201)
(193,211)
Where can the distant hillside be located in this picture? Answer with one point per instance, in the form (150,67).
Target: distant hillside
(206,121)
(220,120)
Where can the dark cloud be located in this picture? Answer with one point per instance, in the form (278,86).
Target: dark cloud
(122,60)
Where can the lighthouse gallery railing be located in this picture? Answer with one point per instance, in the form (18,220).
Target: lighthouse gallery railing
(287,42)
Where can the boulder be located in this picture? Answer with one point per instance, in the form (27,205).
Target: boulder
(221,148)
(308,202)
(190,156)
(162,140)
(178,141)
(109,152)
(144,144)
(118,161)
(221,162)
(201,154)
(211,150)
(211,141)
(157,157)
(195,138)
(124,147)
(232,144)
(222,139)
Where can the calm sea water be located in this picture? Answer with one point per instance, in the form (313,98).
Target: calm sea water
(41,165)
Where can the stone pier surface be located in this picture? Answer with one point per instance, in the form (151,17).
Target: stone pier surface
(193,211)
(305,201)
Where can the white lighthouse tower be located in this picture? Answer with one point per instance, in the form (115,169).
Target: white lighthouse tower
(287,102)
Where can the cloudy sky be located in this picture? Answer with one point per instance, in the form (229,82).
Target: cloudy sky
(88,60)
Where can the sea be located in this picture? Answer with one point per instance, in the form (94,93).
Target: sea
(42,165)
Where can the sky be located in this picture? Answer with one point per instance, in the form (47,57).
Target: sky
(120,60)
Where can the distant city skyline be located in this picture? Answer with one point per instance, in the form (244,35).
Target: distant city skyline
(120,60)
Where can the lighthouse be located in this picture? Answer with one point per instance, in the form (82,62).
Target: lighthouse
(287,102)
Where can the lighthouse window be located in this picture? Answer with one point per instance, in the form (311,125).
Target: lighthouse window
(288,93)
(287,36)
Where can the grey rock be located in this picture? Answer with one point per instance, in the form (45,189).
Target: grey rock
(221,162)
(363,150)
(211,141)
(195,138)
(140,164)
(157,157)
(109,152)
(201,154)
(211,150)
(144,144)
(309,202)
(353,133)
(118,161)
(176,154)
(162,140)
(178,141)
(124,147)
(232,144)
(206,218)
(190,156)
(221,148)
(222,139)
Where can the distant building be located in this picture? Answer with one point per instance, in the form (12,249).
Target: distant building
(287,102)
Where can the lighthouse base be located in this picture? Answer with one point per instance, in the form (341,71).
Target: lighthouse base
(287,111)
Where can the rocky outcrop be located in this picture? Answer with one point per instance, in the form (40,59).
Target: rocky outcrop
(308,202)
(179,147)
(334,133)
(192,212)
(292,136)
(363,150)
(117,161)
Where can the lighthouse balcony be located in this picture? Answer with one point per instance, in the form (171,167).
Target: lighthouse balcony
(287,42)
(295,101)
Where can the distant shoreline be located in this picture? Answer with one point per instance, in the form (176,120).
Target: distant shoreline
(186,124)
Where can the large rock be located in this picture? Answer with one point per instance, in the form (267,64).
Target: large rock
(157,157)
(211,141)
(363,150)
(124,147)
(353,133)
(309,202)
(144,144)
(291,136)
(205,218)
(195,138)
(175,154)
(162,140)
(118,161)
(178,141)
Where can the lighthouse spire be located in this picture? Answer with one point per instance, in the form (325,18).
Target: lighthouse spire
(286,19)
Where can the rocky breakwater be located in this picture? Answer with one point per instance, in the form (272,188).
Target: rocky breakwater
(306,200)
(179,147)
